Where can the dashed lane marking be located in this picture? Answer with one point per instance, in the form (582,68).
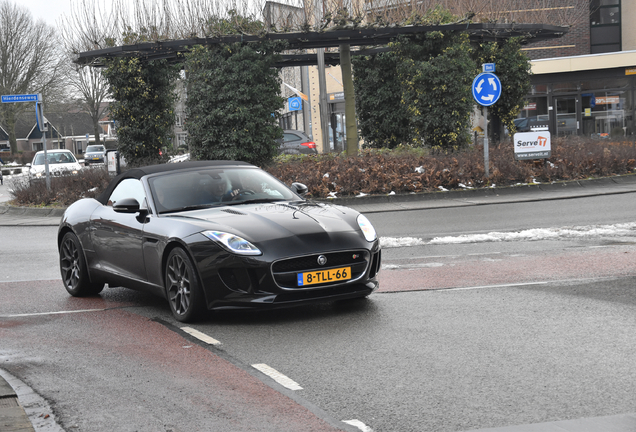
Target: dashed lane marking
(51,313)
(359,425)
(201,336)
(277,376)
(494,286)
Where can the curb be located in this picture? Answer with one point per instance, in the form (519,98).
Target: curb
(31,211)
(455,194)
(521,189)
(13,418)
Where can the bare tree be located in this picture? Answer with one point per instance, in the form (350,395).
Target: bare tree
(92,89)
(30,61)
(87,83)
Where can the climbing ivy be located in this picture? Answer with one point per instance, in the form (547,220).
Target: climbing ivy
(233,101)
(143,107)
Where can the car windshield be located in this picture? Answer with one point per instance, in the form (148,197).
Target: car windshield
(195,189)
(94,149)
(54,158)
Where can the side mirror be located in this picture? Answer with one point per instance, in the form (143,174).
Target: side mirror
(299,188)
(126,205)
(29,164)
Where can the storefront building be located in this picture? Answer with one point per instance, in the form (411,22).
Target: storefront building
(591,95)
(584,83)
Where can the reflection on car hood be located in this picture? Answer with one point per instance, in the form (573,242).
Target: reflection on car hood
(263,222)
(56,167)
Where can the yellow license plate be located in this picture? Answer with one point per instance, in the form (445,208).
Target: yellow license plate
(324,276)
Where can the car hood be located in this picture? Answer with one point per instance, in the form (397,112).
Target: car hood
(56,167)
(264,222)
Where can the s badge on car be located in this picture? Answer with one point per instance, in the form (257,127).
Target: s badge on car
(322,260)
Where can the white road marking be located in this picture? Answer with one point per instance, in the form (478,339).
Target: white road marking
(51,313)
(359,425)
(201,336)
(277,376)
(495,286)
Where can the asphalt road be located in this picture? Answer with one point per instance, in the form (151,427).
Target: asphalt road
(460,336)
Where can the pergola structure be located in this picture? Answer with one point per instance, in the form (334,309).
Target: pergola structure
(173,50)
(374,39)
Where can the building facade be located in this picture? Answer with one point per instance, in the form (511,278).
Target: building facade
(584,83)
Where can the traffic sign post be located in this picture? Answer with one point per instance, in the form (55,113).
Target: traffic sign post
(486,88)
(21,98)
(486,91)
(40,121)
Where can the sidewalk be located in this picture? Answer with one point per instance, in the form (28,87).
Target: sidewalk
(12,415)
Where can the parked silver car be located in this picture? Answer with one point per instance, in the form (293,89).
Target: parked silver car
(94,154)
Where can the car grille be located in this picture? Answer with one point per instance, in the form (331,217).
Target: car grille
(286,271)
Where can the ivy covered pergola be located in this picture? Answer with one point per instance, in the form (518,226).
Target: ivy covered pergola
(369,40)
(173,50)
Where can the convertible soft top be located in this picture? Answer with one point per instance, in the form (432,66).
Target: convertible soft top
(137,173)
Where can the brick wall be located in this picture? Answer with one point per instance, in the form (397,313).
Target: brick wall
(575,42)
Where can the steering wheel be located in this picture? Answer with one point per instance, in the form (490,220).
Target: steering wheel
(243,192)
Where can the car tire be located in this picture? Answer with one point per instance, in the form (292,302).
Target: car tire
(183,289)
(74,269)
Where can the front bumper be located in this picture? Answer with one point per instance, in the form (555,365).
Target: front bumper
(88,159)
(234,282)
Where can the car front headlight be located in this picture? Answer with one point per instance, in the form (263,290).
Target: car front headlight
(367,228)
(233,243)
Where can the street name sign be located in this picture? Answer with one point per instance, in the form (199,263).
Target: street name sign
(20,98)
(532,145)
(486,89)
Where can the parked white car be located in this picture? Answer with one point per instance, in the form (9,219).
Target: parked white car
(61,162)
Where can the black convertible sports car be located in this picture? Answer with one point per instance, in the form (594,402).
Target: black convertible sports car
(216,235)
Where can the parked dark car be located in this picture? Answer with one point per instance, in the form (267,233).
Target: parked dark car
(296,142)
(94,154)
(528,124)
(216,235)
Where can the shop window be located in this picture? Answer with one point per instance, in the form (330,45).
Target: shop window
(604,113)
(535,108)
(564,87)
(539,89)
(613,83)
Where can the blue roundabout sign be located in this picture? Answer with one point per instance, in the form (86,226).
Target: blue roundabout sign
(486,89)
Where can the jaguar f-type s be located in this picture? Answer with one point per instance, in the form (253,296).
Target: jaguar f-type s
(214,235)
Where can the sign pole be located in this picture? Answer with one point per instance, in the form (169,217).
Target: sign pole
(486,156)
(486,91)
(40,119)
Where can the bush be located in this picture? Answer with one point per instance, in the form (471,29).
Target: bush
(64,190)
(402,171)
(20,158)
(411,171)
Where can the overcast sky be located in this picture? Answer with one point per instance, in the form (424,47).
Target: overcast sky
(47,10)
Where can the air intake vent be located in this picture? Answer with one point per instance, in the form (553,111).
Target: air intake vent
(234,212)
